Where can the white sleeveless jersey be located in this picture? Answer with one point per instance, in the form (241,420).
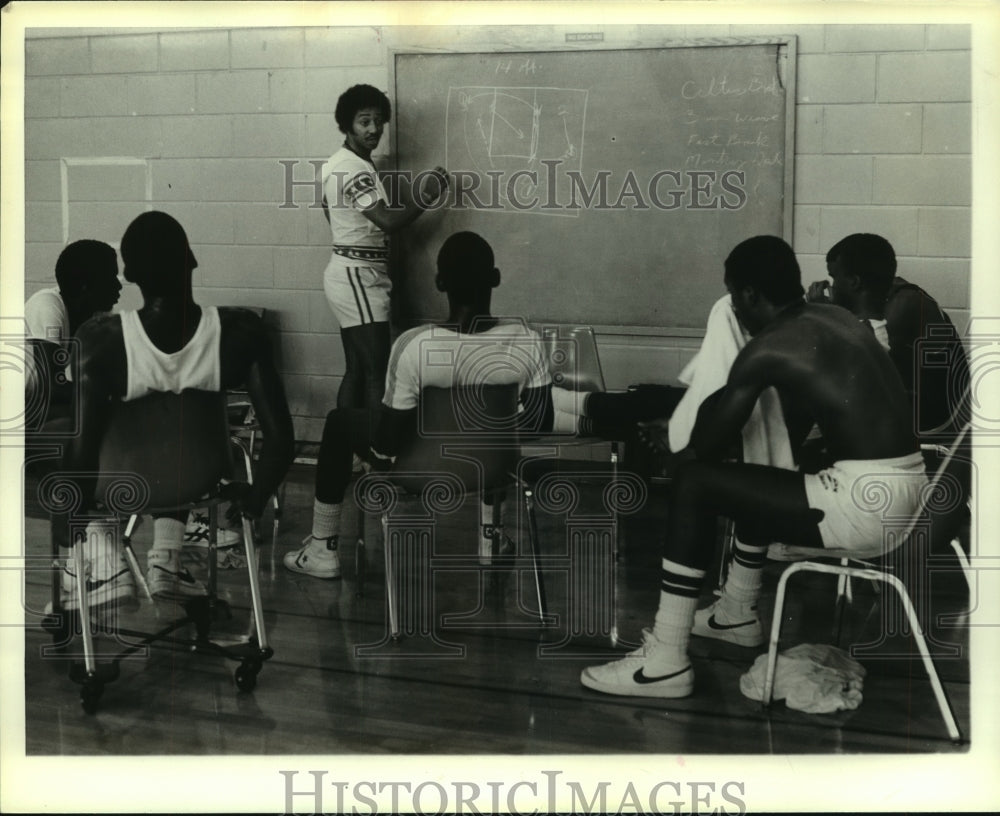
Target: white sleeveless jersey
(197,365)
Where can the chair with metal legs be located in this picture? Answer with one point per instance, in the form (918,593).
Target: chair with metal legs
(946,490)
(575,366)
(467,444)
(185,464)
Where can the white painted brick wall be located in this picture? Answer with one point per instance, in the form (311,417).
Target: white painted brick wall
(825,78)
(57,57)
(833,179)
(946,278)
(927,77)
(872,129)
(42,178)
(198,137)
(268,48)
(161,94)
(136,136)
(232,92)
(124,54)
(898,225)
(92,96)
(882,144)
(194,51)
(922,180)
(945,232)
(878,38)
(106,182)
(947,128)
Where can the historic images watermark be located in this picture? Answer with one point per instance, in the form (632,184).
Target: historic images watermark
(315,791)
(553,189)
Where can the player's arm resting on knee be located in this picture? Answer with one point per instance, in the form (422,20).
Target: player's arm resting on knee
(723,414)
(433,186)
(248,361)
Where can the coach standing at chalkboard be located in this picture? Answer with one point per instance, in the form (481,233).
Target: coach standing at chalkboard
(361,216)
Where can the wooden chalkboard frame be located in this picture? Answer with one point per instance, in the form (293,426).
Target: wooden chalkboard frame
(787,55)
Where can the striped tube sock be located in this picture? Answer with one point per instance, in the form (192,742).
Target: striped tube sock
(675,615)
(168,534)
(326,519)
(739,595)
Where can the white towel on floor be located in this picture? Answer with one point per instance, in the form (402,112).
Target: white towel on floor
(765,437)
(815,678)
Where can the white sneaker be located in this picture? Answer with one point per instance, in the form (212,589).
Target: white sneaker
(317,557)
(196,533)
(643,673)
(168,580)
(713,622)
(108,577)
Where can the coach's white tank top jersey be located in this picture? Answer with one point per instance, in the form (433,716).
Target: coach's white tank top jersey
(197,365)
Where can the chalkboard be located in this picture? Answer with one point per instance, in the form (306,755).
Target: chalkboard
(611,183)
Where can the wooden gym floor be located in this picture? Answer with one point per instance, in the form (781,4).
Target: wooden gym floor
(491,683)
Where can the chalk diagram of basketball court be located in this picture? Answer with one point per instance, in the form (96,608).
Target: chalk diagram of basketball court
(501,131)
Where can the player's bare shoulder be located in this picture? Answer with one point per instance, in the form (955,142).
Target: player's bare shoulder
(242,324)
(244,342)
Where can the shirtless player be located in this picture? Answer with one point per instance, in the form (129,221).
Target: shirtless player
(828,368)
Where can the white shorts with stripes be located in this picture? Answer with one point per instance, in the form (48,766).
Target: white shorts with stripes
(357,291)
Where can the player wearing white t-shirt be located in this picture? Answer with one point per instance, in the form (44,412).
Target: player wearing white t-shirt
(471,348)
(87,278)
(356,280)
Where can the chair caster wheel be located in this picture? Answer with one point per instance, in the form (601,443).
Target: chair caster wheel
(246,676)
(90,694)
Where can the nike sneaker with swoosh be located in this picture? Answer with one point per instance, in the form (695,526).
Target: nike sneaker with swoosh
(108,579)
(712,622)
(643,673)
(168,580)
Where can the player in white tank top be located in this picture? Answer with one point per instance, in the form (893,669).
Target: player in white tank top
(196,365)
(123,358)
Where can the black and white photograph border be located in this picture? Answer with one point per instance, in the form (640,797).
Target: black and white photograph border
(96,767)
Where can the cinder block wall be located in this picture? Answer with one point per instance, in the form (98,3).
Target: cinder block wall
(198,122)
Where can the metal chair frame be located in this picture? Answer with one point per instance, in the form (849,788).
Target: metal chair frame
(438,453)
(872,572)
(198,611)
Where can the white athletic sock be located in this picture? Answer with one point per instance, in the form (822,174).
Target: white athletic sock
(679,592)
(168,534)
(568,401)
(326,519)
(742,588)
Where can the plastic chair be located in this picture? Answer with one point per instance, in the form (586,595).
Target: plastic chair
(940,490)
(162,454)
(467,443)
(575,365)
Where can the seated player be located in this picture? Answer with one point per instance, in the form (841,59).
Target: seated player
(828,368)
(920,337)
(87,284)
(170,344)
(479,349)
